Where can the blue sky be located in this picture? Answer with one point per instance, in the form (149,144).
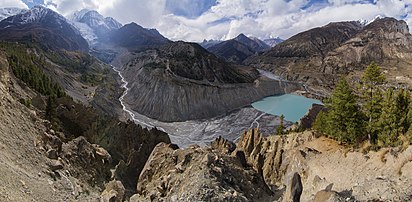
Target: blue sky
(195,20)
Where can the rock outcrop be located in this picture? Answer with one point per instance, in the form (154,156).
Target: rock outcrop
(182,81)
(198,174)
(321,162)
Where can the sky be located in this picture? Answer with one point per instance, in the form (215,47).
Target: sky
(195,20)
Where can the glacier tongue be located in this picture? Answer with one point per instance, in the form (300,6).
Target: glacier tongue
(92,24)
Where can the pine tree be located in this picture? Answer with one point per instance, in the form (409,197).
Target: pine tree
(372,79)
(388,119)
(344,119)
(51,108)
(281,127)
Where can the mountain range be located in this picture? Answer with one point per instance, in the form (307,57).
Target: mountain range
(238,49)
(75,95)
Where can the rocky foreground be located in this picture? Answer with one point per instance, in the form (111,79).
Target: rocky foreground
(275,168)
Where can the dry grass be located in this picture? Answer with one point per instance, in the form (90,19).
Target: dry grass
(383,155)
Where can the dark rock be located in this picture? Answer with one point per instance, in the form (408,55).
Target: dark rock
(55,165)
(240,155)
(52,154)
(310,117)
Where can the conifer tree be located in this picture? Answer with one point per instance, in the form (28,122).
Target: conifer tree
(281,127)
(388,119)
(343,120)
(372,79)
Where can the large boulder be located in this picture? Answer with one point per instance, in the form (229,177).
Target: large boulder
(114,192)
(198,174)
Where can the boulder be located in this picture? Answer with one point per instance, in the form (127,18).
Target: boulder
(55,165)
(114,192)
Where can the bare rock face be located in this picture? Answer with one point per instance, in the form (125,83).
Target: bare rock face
(198,174)
(182,81)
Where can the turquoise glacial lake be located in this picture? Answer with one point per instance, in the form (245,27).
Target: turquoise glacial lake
(293,107)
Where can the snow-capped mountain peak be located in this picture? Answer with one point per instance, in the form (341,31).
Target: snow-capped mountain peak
(37,14)
(7,12)
(93,25)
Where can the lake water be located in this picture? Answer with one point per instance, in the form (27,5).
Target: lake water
(293,107)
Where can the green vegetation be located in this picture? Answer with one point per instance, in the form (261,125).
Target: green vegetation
(383,117)
(280,129)
(372,97)
(26,67)
(343,121)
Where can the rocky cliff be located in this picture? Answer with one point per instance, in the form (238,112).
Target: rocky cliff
(182,81)
(320,55)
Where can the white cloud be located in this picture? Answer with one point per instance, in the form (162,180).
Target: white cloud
(228,18)
(12,3)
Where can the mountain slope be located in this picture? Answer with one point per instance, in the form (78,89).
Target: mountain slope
(302,56)
(134,36)
(182,81)
(44,26)
(238,49)
(319,56)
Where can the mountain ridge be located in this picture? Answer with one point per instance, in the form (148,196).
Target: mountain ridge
(236,50)
(45,26)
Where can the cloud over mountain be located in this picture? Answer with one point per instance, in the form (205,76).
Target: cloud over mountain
(225,19)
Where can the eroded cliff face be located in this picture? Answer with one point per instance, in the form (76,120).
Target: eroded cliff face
(183,82)
(319,56)
(329,171)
